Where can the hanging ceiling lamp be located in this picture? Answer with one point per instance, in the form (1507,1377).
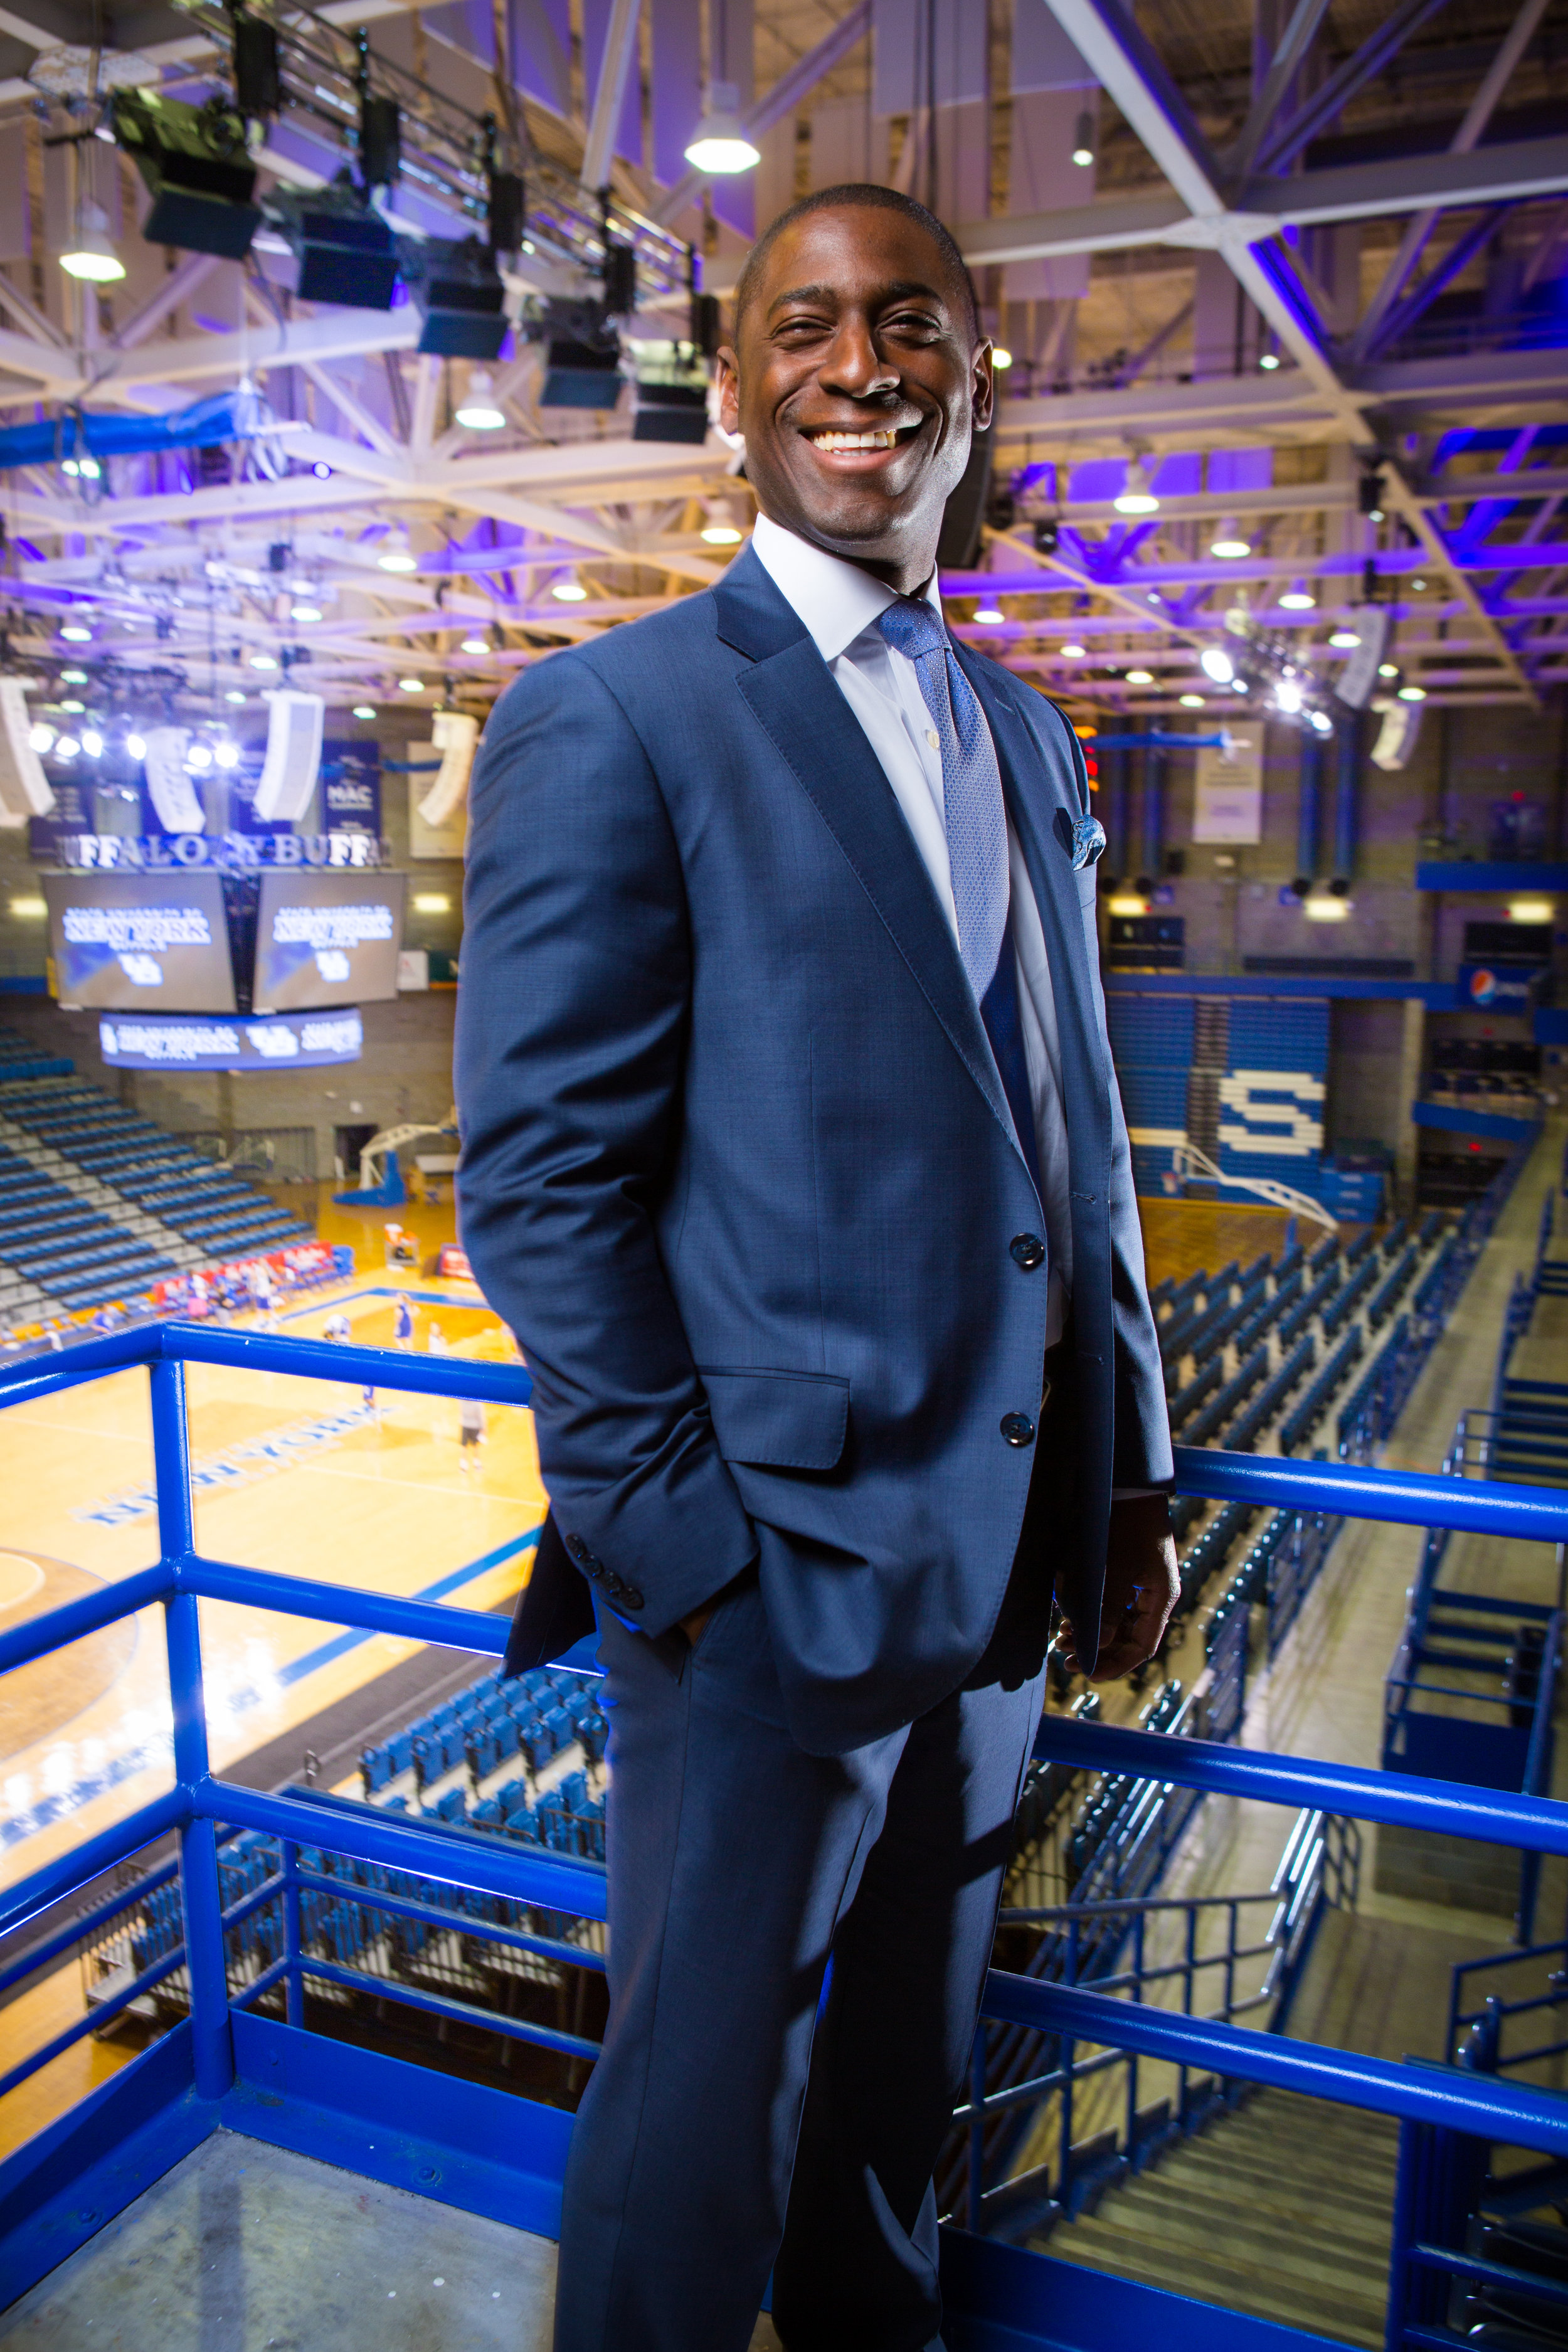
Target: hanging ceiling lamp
(719,143)
(91,257)
(1137,499)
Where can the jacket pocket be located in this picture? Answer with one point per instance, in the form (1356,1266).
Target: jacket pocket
(783,1421)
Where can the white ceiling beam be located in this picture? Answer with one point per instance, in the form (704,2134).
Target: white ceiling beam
(329,335)
(175,288)
(620,46)
(349,404)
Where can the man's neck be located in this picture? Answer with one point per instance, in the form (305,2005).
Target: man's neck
(906,574)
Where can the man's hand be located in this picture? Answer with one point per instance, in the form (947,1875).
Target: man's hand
(694,1626)
(1142,1585)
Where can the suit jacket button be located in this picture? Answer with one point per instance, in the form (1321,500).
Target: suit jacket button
(1027,1250)
(1017,1428)
(631,1596)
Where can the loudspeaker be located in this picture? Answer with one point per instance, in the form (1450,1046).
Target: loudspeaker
(1357,681)
(24,787)
(1397,736)
(293,760)
(455,736)
(958,547)
(173,795)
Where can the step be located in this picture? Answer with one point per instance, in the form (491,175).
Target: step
(1247,2242)
(1348,2315)
(1287,2204)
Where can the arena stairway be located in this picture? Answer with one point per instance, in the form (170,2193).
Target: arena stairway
(1281,2208)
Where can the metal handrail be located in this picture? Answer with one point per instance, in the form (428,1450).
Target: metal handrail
(200,1801)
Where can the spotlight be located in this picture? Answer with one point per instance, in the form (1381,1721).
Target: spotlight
(262,661)
(1137,499)
(1288,696)
(475,644)
(1215,663)
(1001,357)
(1190,701)
(194,165)
(397,555)
(1388,669)
(1299,598)
(459,290)
(989,614)
(1083,141)
(1369,496)
(1343,640)
(73,678)
(478,413)
(582,357)
(74,708)
(412,685)
(67,748)
(720,531)
(1140,676)
(227,753)
(92,743)
(40,737)
(136,747)
(1074,653)
(76,632)
(198,758)
(234,695)
(304,613)
(322,470)
(364,711)
(91,257)
(1228,543)
(346,253)
(1322,722)
(569,589)
(719,143)
(1270,360)
(1412,694)
(1047,535)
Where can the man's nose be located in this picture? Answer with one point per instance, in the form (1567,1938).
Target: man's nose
(854,365)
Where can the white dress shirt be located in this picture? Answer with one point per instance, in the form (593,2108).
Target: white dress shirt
(839,605)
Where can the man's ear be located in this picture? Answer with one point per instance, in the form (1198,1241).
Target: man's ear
(728,369)
(984,386)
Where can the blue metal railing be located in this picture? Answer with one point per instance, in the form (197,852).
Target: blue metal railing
(1451,2101)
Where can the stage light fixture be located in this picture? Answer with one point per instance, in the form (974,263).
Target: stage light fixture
(136,747)
(1322,722)
(720,143)
(1369,496)
(1083,141)
(227,752)
(458,290)
(347,254)
(199,759)
(41,736)
(506,213)
(1215,663)
(1299,598)
(1288,697)
(478,413)
(91,257)
(195,165)
(67,748)
(671,394)
(1137,498)
(1001,357)
(1228,543)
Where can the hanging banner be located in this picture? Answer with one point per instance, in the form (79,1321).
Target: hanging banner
(1228,798)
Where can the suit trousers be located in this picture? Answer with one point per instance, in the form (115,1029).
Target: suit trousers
(797,1948)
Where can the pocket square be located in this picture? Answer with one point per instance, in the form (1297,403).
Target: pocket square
(1088,841)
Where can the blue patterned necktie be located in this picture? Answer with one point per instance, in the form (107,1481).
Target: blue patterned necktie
(976,820)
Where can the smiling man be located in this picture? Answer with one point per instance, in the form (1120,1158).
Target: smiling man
(793,1154)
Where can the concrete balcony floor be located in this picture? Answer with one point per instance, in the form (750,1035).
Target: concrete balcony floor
(246,2248)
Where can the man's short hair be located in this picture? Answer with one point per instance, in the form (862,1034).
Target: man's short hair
(871,198)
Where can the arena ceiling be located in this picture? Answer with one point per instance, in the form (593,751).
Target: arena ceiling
(1323,245)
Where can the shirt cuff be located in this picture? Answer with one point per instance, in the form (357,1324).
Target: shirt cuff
(1135,1494)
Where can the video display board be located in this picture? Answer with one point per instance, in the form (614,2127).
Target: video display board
(326,937)
(140,942)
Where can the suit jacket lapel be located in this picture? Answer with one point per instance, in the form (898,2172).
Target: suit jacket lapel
(793,693)
(1043,822)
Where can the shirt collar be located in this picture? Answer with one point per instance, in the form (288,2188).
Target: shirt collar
(836,602)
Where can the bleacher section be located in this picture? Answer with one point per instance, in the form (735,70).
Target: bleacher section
(1271,1096)
(98,1204)
(1151,1045)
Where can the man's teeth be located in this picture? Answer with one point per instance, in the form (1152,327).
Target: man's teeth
(887,440)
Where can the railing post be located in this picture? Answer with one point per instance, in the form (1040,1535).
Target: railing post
(213,2042)
(293,1944)
(1138,1919)
(977,2056)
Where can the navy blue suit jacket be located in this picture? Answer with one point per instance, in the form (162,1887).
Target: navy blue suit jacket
(737,1170)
